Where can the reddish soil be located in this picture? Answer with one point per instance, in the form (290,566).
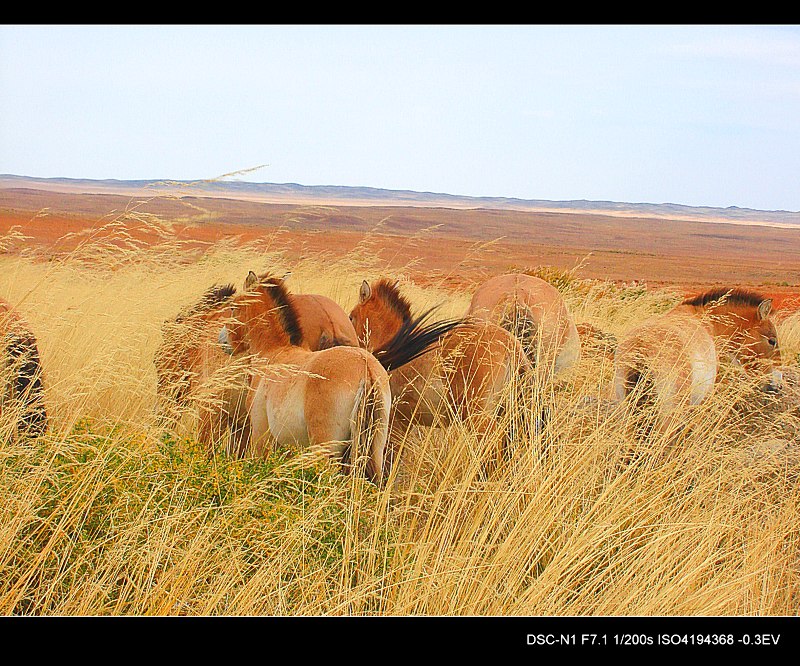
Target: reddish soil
(441,245)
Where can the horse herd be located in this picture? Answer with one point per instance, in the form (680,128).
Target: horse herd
(265,367)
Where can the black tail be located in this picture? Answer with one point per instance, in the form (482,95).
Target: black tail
(27,384)
(415,338)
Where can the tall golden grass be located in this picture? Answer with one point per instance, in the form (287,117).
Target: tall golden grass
(107,514)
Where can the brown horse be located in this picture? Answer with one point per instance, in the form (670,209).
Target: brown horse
(462,371)
(674,358)
(336,396)
(323,322)
(22,391)
(193,365)
(192,368)
(533,311)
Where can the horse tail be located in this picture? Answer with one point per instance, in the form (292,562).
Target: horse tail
(638,382)
(552,344)
(597,340)
(520,322)
(415,338)
(518,375)
(369,428)
(26,383)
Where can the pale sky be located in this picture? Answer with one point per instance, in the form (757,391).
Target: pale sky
(703,115)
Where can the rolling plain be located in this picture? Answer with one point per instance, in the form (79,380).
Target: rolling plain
(456,245)
(110,513)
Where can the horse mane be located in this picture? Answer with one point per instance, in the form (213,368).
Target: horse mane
(414,338)
(416,334)
(213,297)
(386,290)
(733,296)
(287,312)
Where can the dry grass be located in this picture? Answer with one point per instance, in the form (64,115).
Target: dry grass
(109,515)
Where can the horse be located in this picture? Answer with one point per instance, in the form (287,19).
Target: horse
(461,373)
(192,367)
(675,358)
(535,313)
(194,363)
(335,396)
(21,387)
(323,322)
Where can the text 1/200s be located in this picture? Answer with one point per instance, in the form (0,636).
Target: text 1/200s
(659,639)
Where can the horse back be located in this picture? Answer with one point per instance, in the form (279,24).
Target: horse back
(497,295)
(534,311)
(324,323)
(481,358)
(322,383)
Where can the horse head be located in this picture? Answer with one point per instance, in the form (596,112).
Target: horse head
(742,319)
(379,314)
(261,318)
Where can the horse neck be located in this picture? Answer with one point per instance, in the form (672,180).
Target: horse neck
(265,336)
(384,325)
(726,321)
(727,324)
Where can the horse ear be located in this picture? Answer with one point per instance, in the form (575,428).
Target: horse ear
(250,281)
(365,292)
(764,308)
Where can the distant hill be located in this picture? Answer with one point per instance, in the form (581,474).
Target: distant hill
(354,196)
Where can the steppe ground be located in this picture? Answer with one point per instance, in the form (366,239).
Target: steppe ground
(110,514)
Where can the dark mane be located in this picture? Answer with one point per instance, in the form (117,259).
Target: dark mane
(415,338)
(388,292)
(733,296)
(213,297)
(287,313)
